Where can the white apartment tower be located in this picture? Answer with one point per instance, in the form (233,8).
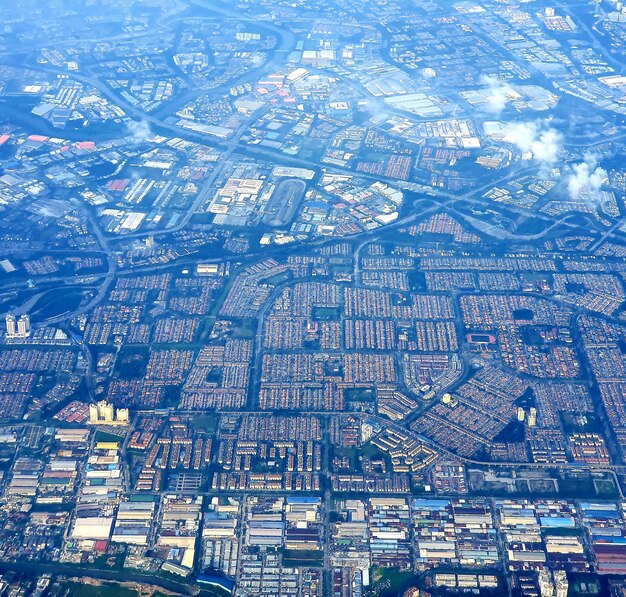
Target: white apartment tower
(23,326)
(103,413)
(19,328)
(11,328)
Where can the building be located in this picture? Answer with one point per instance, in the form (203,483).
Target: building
(207,269)
(134,522)
(19,329)
(103,413)
(23,326)
(10,323)
(92,527)
(545,583)
(560,583)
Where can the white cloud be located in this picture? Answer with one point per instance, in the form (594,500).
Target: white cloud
(139,131)
(536,138)
(499,94)
(586,178)
(546,147)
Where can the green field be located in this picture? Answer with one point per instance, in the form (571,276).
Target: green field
(390,581)
(303,558)
(206,423)
(103,436)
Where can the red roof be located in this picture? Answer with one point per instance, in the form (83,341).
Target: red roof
(100,546)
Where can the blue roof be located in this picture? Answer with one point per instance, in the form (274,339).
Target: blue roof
(302,500)
(550,521)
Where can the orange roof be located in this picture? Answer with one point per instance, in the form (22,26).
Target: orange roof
(39,138)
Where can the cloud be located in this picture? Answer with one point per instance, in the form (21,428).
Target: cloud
(499,94)
(546,147)
(257,60)
(536,138)
(586,178)
(139,131)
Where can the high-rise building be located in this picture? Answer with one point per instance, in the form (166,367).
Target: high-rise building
(560,583)
(23,326)
(19,328)
(546,588)
(10,323)
(532,417)
(103,413)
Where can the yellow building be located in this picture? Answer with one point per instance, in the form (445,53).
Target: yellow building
(103,413)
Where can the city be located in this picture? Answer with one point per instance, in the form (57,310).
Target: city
(313,298)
